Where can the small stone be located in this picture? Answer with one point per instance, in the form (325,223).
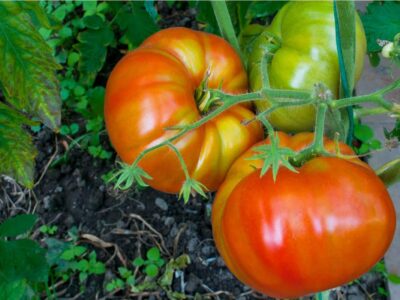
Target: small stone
(174,231)
(161,203)
(46,202)
(192,245)
(208,250)
(169,221)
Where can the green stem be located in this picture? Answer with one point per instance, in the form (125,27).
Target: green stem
(225,24)
(318,143)
(181,160)
(363,112)
(376,97)
(317,147)
(278,98)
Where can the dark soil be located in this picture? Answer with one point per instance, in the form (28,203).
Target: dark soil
(73,194)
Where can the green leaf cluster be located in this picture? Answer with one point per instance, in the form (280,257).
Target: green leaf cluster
(157,274)
(84,36)
(365,135)
(381,23)
(24,262)
(29,85)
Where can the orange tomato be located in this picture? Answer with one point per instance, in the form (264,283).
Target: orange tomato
(308,231)
(153,87)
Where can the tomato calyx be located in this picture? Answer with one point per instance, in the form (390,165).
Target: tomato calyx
(205,99)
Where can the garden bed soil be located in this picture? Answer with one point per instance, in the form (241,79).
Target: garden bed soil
(72,193)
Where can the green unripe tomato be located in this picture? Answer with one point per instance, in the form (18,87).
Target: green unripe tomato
(302,41)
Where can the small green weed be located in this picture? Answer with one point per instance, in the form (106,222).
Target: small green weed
(152,263)
(157,274)
(365,135)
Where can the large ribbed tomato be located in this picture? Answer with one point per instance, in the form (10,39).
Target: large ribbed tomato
(153,88)
(308,231)
(306,55)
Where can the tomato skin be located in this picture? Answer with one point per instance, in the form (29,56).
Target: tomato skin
(307,56)
(307,232)
(152,88)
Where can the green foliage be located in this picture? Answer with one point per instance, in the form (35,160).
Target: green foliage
(131,20)
(84,35)
(69,259)
(158,274)
(365,135)
(381,22)
(152,263)
(242,13)
(17,153)
(28,83)
(50,230)
(394,133)
(28,71)
(24,262)
(380,267)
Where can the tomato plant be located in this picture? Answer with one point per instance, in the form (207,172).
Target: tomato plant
(153,88)
(308,231)
(302,41)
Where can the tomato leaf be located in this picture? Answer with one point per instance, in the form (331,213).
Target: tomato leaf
(17,153)
(93,49)
(132,21)
(381,22)
(17,225)
(25,260)
(28,68)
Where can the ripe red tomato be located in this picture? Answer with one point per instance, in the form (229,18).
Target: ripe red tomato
(153,88)
(308,231)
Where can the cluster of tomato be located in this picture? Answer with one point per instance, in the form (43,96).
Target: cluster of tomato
(309,230)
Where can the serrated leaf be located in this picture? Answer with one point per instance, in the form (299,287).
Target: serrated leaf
(28,68)
(93,48)
(17,225)
(131,22)
(25,260)
(36,12)
(17,153)
(381,21)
